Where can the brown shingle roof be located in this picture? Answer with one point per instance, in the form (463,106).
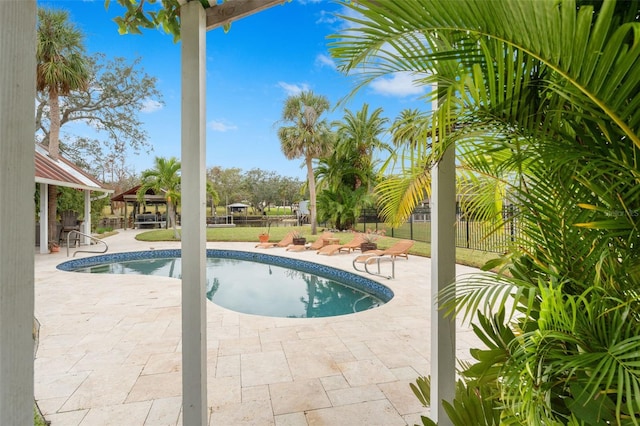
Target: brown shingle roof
(62,172)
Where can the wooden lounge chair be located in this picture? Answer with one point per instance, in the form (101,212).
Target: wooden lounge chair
(285,242)
(352,245)
(401,248)
(317,244)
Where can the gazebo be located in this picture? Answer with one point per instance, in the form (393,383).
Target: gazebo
(131,196)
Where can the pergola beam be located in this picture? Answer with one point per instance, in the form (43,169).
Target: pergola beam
(232,10)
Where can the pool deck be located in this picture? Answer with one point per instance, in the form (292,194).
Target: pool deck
(109,351)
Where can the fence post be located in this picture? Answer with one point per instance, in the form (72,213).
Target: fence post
(466,219)
(411,226)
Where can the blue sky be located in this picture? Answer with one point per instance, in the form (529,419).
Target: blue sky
(251,70)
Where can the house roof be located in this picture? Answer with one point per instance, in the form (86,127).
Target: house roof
(62,172)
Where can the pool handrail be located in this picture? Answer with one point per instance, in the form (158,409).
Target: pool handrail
(97,240)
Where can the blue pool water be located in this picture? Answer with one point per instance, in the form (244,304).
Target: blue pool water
(255,283)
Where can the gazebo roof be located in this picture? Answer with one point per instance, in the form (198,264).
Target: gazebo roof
(131,195)
(62,172)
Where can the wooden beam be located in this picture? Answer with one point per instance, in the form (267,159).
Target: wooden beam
(232,10)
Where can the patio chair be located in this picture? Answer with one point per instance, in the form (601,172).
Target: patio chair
(354,244)
(399,249)
(317,244)
(69,222)
(285,242)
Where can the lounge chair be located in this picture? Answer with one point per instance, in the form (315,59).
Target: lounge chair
(317,244)
(352,245)
(285,242)
(399,249)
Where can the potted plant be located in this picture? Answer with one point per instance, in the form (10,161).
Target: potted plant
(298,239)
(369,239)
(54,247)
(263,237)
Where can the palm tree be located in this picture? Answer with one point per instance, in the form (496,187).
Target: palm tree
(548,111)
(306,136)
(358,138)
(61,68)
(164,178)
(346,177)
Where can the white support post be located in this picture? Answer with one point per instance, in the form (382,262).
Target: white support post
(17,224)
(443,272)
(87,217)
(44,218)
(194,339)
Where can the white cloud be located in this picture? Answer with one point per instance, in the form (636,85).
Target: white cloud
(150,105)
(325,61)
(399,84)
(327,18)
(220,126)
(293,89)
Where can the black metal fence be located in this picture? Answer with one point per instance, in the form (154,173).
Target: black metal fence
(493,236)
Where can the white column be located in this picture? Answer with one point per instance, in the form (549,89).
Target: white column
(443,272)
(194,339)
(87,217)
(17,209)
(44,218)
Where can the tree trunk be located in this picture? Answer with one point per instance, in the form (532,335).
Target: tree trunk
(54,131)
(312,197)
(172,218)
(52,212)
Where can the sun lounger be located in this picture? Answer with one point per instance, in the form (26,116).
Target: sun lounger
(317,244)
(401,248)
(352,245)
(285,242)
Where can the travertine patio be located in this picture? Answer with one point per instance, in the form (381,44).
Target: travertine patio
(110,351)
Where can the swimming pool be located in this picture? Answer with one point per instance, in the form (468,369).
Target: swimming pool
(255,283)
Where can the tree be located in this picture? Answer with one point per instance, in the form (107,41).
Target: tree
(549,111)
(61,68)
(228,184)
(306,136)
(261,187)
(358,139)
(346,177)
(164,179)
(290,190)
(109,104)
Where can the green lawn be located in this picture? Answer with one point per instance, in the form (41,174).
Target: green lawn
(468,257)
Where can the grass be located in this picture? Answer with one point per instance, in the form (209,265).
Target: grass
(467,257)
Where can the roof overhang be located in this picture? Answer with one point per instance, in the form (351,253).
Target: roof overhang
(62,172)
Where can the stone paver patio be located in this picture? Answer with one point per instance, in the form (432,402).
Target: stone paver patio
(109,351)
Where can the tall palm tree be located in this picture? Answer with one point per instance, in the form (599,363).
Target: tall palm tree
(306,135)
(347,176)
(359,137)
(164,178)
(61,68)
(550,112)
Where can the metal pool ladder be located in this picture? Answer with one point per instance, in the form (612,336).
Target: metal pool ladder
(93,239)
